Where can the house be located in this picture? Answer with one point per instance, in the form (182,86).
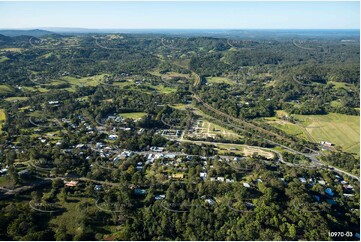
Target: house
(113,137)
(322,182)
(170,156)
(329,192)
(327,144)
(245,184)
(348,187)
(210,201)
(236,158)
(98,187)
(126,154)
(302,179)
(53,102)
(139,168)
(229,180)
(24,173)
(3,171)
(138,191)
(221,179)
(344,182)
(159,197)
(80,146)
(213,179)
(339,177)
(157,149)
(150,156)
(203,175)
(177,176)
(71,184)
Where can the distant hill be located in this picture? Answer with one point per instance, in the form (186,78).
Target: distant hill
(32,32)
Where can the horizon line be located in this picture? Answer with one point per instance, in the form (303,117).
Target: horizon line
(159,28)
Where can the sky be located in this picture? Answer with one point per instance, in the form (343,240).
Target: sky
(181,15)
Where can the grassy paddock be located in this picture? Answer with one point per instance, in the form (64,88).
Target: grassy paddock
(340,129)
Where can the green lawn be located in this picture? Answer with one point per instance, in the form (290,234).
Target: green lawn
(133,115)
(342,130)
(219,80)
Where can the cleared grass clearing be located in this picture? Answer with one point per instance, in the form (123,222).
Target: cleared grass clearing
(11,99)
(340,129)
(36,114)
(289,128)
(339,85)
(179,106)
(73,215)
(2,115)
(2,118)
(212,129)
(243,150)
(5,89)
(3,58)
(280,113)
(165,90)
(84,81)
(133,115)
(35,89)
(168,75)
(219,80)
(12,49)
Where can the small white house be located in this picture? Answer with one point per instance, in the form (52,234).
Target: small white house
(245,184)
(113,137)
